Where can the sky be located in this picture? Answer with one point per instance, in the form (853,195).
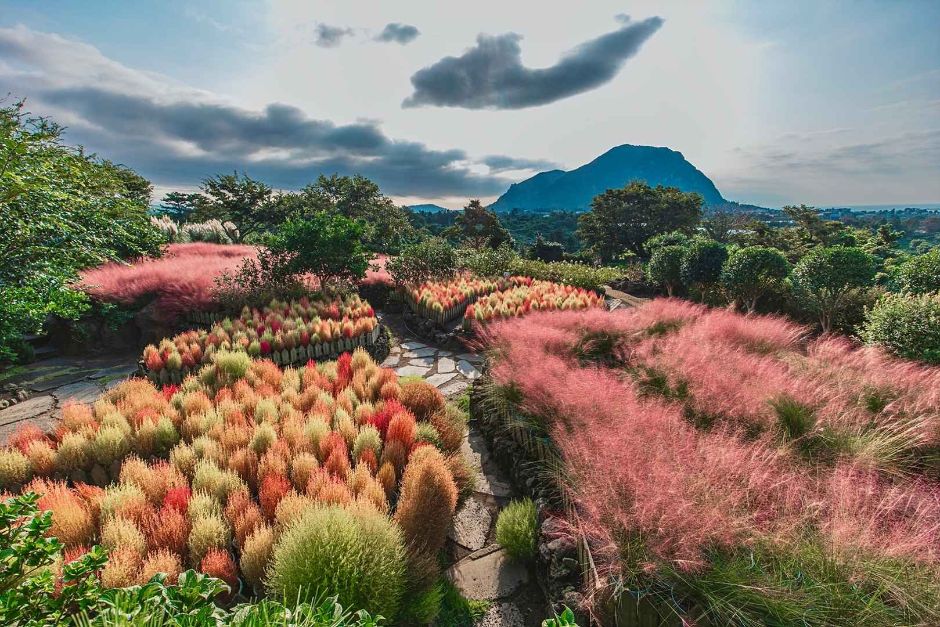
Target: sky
(806,101)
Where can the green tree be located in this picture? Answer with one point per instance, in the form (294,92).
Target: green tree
(545,250)
(673,238)
(478,227)
(325,245)
(62,210)
(701,264)
(180,206)
(722,225)
(920,274)
(827,278)
(751,272)
(622,220)
(385,225)
(249,203)
(665,267)
(907,325)
(427,260)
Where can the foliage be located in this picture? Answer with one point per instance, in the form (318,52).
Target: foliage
(385,225)
(517,529)
(477,227)
(750,272)
(544,250)
(358,555)
(432,259)
(486,261)
(238,198)
(665,267)
(622,220)
(701,264)
(62,211)
(458,611)
(565,619)
(576,274)
(907,325)
(826,279)
(326,246)
(28,590)
(529,296)
(920,274)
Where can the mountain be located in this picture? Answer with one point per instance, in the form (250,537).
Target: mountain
(574,190)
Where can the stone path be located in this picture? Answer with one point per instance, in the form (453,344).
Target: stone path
(53,382)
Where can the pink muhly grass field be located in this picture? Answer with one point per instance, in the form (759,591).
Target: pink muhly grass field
(179,282)
(379,275)
(639,465)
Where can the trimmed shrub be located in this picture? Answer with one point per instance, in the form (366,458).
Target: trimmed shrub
(120,533)
(218,563)
(516,529)
(167,529)
(255,555)
(160,561)
(208,532)
(356,555)
(120,571)
(14,468)
(422,398)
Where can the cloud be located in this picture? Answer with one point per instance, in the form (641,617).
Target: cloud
(177,136)
(491,75)
(327,36)
(398,33)
(502,163)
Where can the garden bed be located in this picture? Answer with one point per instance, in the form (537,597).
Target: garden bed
(334,476)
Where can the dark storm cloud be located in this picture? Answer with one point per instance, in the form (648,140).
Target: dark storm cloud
(501,163)
(279,144)
(327,36)
(398,33)
(491,75)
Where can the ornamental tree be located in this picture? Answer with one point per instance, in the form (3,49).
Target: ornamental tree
(826,279)
(665,267)
(702,263)
(750,272)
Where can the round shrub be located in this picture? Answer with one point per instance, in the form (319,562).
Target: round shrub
(906,325)
(120,533)
(516,529)
(422,398)
(256,553)
(14,468)
(356,555)
(208,532)
(160,561)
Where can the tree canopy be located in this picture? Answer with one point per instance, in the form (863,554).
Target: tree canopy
(622,220)
(478,227)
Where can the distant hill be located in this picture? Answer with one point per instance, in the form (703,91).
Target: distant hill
(574,190)
(427,207)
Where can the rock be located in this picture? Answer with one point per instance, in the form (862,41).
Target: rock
(438,380)
(122,370)
(471,357)
(412,345)
(502,615)
(421,352)
(408,371)
(491,577)
(445,364)
(454,388)
(26,410)
(471,525)
(466,369)
(390,362)
(81,392)
(422,362)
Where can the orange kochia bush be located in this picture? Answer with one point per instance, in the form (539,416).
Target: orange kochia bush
(207,474)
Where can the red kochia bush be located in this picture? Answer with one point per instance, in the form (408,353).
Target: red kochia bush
(180,281)
(218,563)
(274,487)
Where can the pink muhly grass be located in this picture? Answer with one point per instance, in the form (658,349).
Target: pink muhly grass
(180,281)
(377,274)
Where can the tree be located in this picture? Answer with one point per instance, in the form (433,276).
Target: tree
(920,274)
(722,225)
(624,219)
(702,263)
(673,238)
(62,211)
(827,278)
(328,246)
(907,325)
(180,206)
(545,250)
(478,227)
(751,272)
(665,267)
(813,230)
(428,260)
(250,204)
(385,225)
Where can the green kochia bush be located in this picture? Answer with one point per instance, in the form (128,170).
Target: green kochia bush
(357,555)
(516,529)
